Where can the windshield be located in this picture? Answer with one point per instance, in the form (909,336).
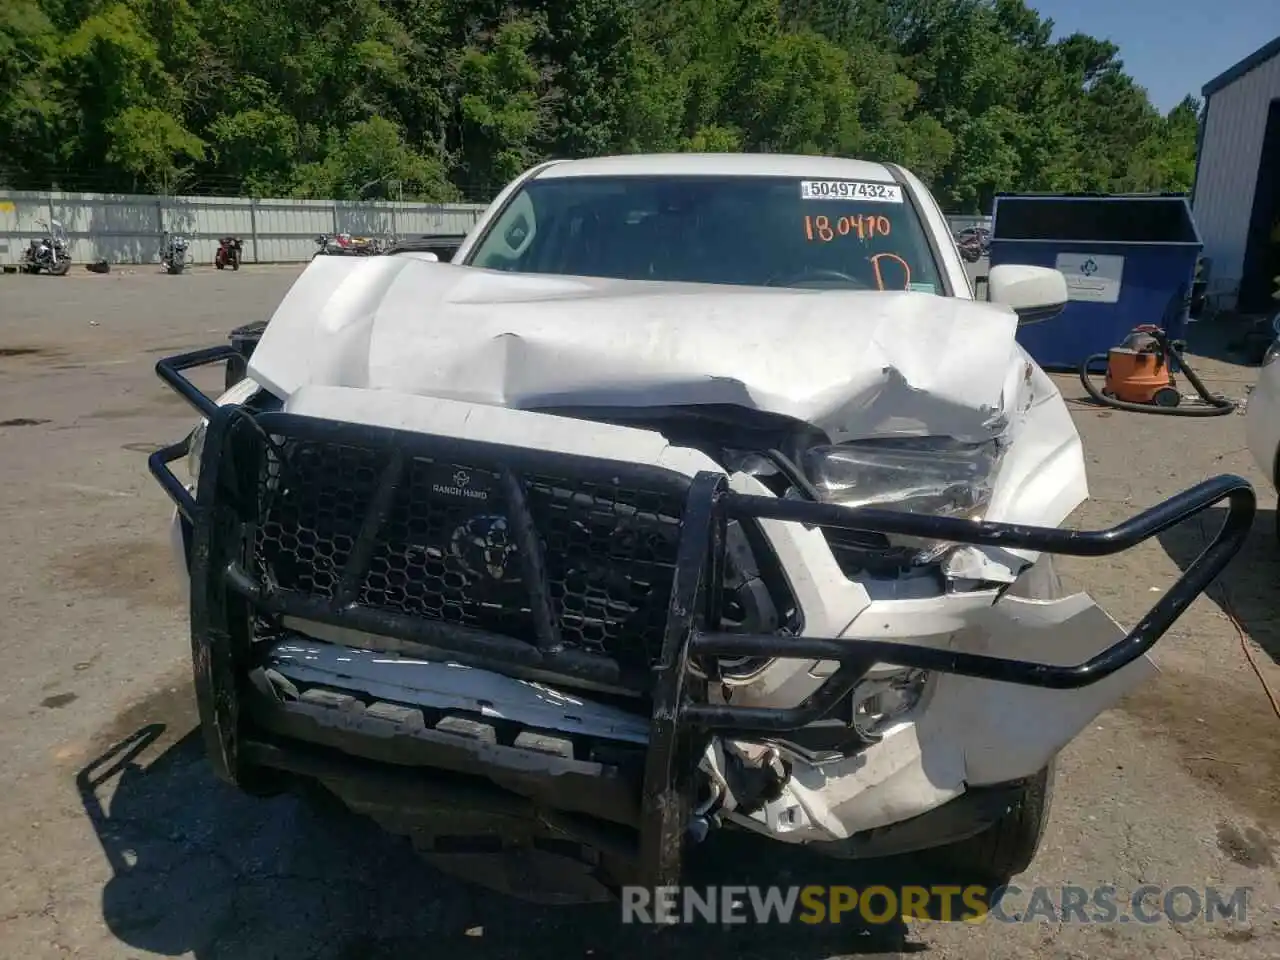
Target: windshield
(756,231)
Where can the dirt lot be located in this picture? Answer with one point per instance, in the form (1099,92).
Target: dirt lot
(134,851)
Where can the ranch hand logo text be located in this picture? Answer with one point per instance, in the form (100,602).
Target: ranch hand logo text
(459,486)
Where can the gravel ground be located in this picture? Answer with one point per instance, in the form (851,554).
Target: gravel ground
(118,843)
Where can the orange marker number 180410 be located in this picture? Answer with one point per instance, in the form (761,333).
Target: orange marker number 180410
(865,227)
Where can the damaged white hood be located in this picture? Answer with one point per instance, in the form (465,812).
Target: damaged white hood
(855,364)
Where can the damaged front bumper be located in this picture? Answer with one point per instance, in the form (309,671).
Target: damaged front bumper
(283,659)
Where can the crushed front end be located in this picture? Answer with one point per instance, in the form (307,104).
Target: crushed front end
(484,630)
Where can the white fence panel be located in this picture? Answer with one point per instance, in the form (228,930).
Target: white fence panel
(119,228)
(19,216)
(124,228)
(287,229)
(419,218)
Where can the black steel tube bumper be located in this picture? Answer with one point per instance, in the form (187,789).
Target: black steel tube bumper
(170,370)
(224,593)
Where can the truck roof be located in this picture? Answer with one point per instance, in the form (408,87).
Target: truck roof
(720,164)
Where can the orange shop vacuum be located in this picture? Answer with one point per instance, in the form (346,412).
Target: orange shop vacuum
(1140,377)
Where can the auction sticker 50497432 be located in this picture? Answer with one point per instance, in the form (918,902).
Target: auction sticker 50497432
(863,190)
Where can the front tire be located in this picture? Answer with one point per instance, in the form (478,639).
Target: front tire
(61,268)
(1007,847)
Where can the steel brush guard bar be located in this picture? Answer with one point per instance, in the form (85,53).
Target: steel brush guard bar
(681,720)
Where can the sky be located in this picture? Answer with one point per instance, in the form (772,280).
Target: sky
(1171,47)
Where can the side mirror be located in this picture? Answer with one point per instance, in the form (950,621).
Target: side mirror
(1035,293)
(430,257)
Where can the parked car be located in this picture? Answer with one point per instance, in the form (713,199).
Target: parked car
(442,245)
(1262,413)
(697,492)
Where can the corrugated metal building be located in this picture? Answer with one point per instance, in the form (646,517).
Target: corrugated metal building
(1236,197)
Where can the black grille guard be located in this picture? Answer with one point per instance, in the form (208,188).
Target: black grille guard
(681,719)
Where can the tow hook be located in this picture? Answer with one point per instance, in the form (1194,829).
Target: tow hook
(756,774)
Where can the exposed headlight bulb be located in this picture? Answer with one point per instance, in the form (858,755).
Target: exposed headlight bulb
(240,394)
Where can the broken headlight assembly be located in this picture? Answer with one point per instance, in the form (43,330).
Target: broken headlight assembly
(246,393)
(938,476)
(195,447)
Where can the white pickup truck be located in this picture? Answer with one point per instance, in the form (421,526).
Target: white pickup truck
(696,492)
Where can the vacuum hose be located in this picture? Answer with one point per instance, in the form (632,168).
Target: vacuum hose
(1215,406)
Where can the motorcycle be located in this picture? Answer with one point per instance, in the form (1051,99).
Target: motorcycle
(970,249)
(330,246)
(173,252)
(974,243)
(345,245)
(49,253)
(228,255)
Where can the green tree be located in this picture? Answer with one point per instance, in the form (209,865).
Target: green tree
(790,92)
(152,145)
(31,110)
(120,100)
(1166,160)
(504,107)
(258,146)
(443,97)
(369,157)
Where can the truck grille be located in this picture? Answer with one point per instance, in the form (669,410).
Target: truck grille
(447,550)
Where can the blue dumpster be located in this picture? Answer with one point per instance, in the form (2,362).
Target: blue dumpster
(1128,260)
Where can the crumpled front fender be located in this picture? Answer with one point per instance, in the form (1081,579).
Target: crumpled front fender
(965,732)
(1007,731)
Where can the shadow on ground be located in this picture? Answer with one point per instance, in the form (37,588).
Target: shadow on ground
(1223,732)
(1230,338)
(202,869)
(1249,589)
